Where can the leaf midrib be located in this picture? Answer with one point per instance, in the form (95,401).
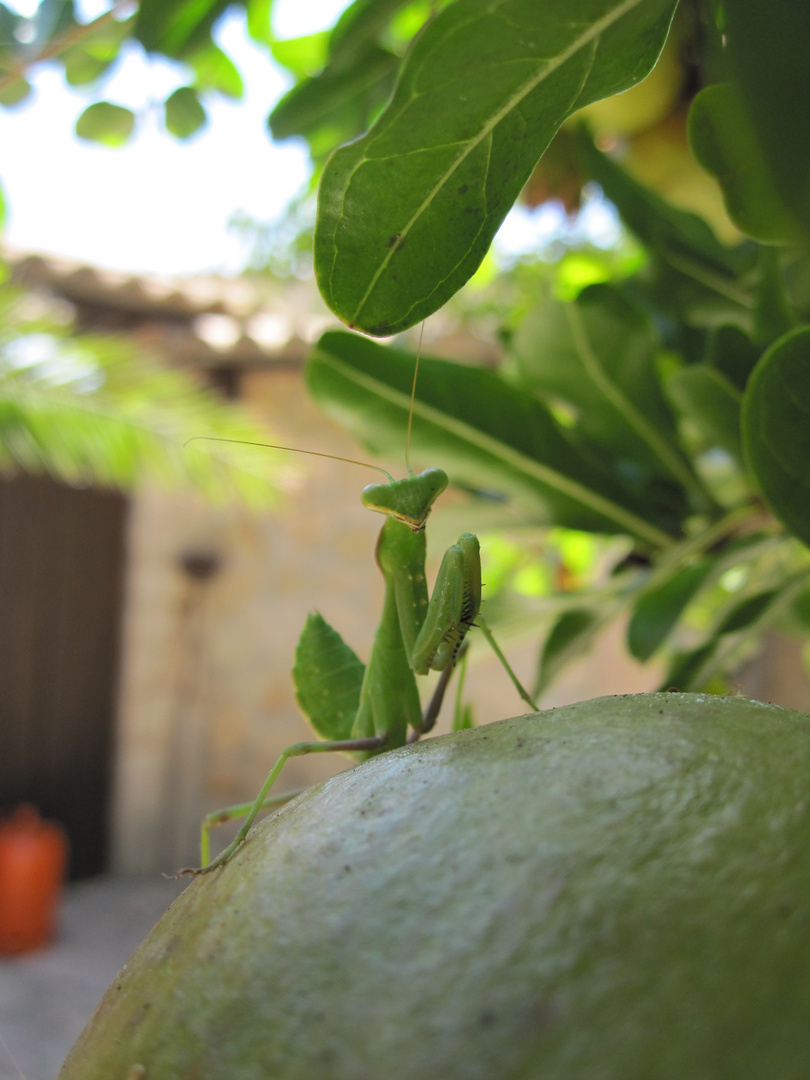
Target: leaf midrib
(594,31)
(557,481)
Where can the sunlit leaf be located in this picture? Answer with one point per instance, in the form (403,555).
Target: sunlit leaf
(14,92)
(215,70)
(302,56)
(106,123)
(258,20)
(95,53)
(184,113)
(173,28)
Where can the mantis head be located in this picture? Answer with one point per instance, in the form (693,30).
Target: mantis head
(407,500)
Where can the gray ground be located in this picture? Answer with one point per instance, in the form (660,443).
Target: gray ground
(46,996)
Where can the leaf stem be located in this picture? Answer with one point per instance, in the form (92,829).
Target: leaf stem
(17,69)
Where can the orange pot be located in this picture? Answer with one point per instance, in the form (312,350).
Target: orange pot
(33,856)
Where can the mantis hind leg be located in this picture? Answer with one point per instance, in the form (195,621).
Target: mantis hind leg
(251,810)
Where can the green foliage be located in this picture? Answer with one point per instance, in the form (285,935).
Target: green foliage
(489,432)
(106,123)
(767,52)
(661,407)
(328,675)
(655,401)
(724,144)
(776,423)
(90,409)
(184,113)
(408,212)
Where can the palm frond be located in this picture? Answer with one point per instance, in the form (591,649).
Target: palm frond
(93,409)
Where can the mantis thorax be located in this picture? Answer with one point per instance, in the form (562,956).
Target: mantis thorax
(408,500)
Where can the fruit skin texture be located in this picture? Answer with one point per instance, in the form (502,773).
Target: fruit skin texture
(614,890)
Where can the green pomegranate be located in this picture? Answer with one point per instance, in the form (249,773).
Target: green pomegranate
(615,890)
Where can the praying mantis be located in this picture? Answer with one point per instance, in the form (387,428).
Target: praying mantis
(364,710)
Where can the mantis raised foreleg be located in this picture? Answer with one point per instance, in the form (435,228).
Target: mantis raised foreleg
(364,710)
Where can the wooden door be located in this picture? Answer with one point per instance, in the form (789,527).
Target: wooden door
(61,578)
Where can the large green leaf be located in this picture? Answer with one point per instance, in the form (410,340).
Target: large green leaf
(484,431)
(722,142)
(776,429)
(767,51)
(597,354)
(173,26)
(407,213)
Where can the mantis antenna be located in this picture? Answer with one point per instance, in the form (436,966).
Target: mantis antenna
(413,399)
(291,450)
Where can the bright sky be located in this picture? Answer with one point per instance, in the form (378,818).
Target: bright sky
(155,205)
(161,206)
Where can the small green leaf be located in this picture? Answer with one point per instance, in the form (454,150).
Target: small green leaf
(407,213)
(105,123)
(340,98)
(92,56)
(177,27)
(658,610)
(746,612)
(567,640)
(258,21)
(15,92)
(328,676)
(215,70)
(776,429)
(722,142)
(302,56)
(706,397)
(184,113)
(686,670)
(362,23)
(81,67)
